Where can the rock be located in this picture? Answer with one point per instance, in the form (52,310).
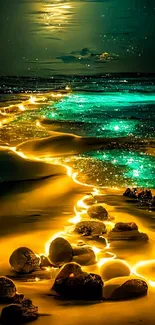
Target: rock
(99,239)
(69,269)
(123,288)
(90,228)
(81,243)
(143,236)
(18,298)
(19,314)
(23,260)
(127,192)
(97,212)
(81,287)
(60,251)
(127,235)
(84,255)
(7,289)
(45,262)
(131,193)
(125,226)
(114,268)
(126,231)
(89,200)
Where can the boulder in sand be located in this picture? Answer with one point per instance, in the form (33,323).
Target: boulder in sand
(114,268)
(69,269)
(126,231)
(80,287)
(60,251)
(84,255)
(90,228)
(19,314)
(7,289)
(125,226)
(123,288)
(23,260)
(97,212)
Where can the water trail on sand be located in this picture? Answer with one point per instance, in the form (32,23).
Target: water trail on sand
(60,144)
(41,150)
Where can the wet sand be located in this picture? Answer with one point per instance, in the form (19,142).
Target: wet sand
(33,210)
(36,201)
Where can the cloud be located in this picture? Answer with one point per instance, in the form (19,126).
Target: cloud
(87,56)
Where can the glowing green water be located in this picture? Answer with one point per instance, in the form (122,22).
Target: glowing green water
(113,115)
(108,114)
(138,168)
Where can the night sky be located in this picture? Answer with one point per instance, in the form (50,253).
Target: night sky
(43,38)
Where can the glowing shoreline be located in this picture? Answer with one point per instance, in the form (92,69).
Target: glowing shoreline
(78,217)
(80,204)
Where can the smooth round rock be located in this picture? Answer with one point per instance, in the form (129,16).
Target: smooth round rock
(123,288)
(90,228)
(23,260)
(60,251)
(114,268)
(7,289)
(97,212)
(81,287)
(84,255)
(19,314)
(69,269)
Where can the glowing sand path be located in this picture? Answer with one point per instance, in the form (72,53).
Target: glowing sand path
(80,204)
(80,208)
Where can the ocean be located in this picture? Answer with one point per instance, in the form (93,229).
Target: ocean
(114,107)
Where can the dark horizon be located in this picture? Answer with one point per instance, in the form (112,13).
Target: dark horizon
(99,75)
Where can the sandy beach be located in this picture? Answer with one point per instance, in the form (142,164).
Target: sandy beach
(77,162)
(34,209)
(46,171)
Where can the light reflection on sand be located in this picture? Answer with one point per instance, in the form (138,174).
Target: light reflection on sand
(80,204)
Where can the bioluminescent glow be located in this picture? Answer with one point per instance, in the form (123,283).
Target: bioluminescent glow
(137,168)
(107,114)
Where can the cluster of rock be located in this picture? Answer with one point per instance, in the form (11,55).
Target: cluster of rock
(114,283)
(61,251)
(93,199)
(96,228)
(24,261)
(19,309)
(73,283)
(120,231)
(144,198)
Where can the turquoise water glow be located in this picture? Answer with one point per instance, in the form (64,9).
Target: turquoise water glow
(128,109)
(112,115)
(107,114)
(138,168)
